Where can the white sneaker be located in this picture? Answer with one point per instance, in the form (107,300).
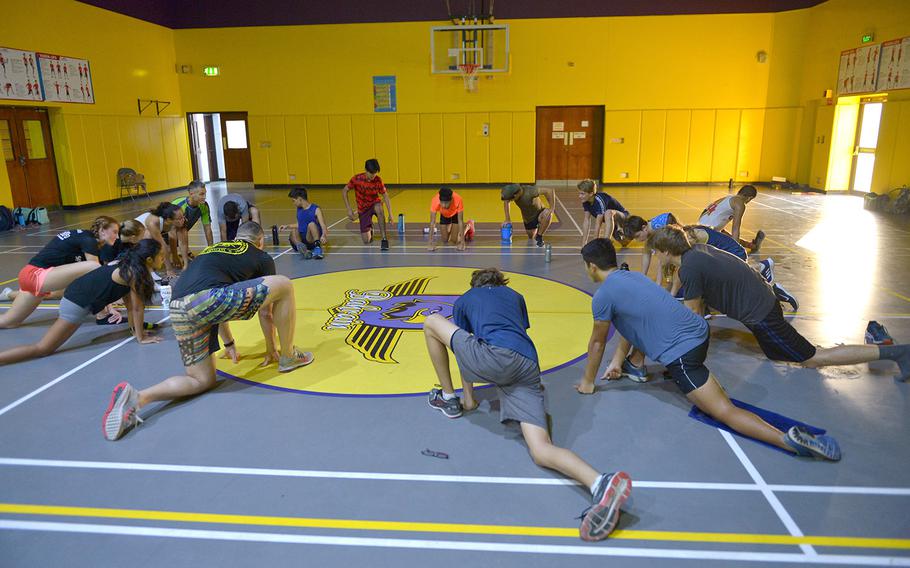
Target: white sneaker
(4,295)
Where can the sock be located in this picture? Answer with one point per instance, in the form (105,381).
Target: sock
(900,354)
(448,395)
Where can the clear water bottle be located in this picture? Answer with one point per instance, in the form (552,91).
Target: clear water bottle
(401,223)
(166,298)
(506,234)
(547,252)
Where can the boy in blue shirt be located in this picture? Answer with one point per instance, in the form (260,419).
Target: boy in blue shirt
(310,231)
(491,345)
(655,324)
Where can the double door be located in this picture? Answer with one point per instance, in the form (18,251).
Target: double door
(25,138)
(569,142)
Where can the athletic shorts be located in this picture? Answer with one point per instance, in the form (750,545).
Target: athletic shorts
(779,340)
(31,280)
(443,220)
(689,371)
(73,312)
(533,223)
(516,377)
(366,218)
(195,317)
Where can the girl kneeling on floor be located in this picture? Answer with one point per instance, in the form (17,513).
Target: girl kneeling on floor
(130,280)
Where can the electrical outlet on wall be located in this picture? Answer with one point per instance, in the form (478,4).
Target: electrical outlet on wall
(744,174)
(623,174)
(456,176)
(292,177)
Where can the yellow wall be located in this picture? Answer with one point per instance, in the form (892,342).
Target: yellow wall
(129,59)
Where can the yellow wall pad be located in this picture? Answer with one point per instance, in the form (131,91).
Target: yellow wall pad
(451,528)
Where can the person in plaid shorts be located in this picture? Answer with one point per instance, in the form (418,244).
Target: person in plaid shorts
(367,188)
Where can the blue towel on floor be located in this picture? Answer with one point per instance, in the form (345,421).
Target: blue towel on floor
(782,423)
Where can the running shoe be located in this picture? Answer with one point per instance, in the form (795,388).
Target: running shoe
(783,296)
(539,239)
(624,266)
(876,333)
(757,241)
(611,491)
(307,254)
(300,359)
(384,244)
(317,252)
(767,270)
(637,374)
(121,413)
(4,295)
(451,408)
(807,444)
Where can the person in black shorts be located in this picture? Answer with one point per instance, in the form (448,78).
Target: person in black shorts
(230,280)
(647,318)
(491,345)
(731,287)
(68,256)
(130,279)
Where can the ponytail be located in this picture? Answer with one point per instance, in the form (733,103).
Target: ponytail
(131,228)
(101,223)
(134,269)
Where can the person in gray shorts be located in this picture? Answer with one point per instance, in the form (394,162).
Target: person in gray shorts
(491,345)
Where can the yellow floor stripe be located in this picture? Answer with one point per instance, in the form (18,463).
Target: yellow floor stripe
(8,281)
(450,528)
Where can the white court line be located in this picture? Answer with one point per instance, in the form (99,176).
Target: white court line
(434,478)
(460,546)
(569,215)
(775,503)
(12,250)
(282,253)
(43,388)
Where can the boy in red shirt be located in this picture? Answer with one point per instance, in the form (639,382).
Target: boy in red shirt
(450,207)
(367,188)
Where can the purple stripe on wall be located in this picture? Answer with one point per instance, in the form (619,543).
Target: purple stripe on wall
(179,14)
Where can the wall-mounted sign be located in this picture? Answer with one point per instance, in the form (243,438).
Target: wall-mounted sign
(19,75)
(385,96)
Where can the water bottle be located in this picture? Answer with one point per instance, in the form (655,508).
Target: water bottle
(20,218)
(166,298)
(401,223)
(547,252)
(506,234)
(275,235)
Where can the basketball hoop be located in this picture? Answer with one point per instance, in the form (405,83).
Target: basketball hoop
(469,74)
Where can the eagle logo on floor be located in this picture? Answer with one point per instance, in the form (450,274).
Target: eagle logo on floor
(377,319)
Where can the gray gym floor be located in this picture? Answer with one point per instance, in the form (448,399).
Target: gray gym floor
(247,476)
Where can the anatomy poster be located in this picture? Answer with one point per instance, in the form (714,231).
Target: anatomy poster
(65,79)
(895,71)
(19,76)
(858,70)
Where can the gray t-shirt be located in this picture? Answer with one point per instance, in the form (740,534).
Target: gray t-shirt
(529,210)
(242,204)
(726,283)
(647,316)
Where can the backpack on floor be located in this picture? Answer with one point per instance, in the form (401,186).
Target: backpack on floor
(37,215)
(6,219)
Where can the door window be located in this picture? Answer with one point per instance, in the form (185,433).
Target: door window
(6,141)
(236,134)
(34,139)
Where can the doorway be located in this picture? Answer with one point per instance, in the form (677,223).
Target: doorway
(569,142)
(25,136)
(220,147)
(870,117)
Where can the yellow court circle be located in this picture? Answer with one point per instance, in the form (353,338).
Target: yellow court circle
(365,328)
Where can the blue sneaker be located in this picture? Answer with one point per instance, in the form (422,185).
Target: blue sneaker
(317,252)
(876,334)
(610,492)
(783,296)
(767,270)
(810,445)
(637,374)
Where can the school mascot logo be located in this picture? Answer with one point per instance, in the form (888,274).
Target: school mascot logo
(377,319)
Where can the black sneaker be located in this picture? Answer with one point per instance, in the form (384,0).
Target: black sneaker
(539,239)
(624,266)
(451,408)
(384,244)
(783,296)
(757,241)
(612,490)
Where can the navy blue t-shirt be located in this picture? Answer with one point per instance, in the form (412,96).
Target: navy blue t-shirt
(724,242)
(496,315)
(602,202)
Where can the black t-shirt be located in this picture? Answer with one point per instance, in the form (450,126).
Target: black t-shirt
(96,289)
(223,264)
(110,253)
(66,248)
(727,284)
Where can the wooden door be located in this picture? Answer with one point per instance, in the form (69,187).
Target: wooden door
(235,138)
(25,136)
(821,146)
(569,142)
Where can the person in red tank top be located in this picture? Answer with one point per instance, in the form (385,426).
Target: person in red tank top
(368,188)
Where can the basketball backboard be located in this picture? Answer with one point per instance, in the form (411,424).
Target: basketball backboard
(486,46)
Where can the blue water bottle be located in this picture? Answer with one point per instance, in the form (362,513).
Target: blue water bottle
(401,223)
(506,234)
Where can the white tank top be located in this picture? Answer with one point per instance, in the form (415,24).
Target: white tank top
(718,214)
(143,217)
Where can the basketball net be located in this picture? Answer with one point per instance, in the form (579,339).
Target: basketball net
(469,74)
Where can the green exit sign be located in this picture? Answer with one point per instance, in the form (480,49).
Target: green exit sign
(214,71)
(868,37)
